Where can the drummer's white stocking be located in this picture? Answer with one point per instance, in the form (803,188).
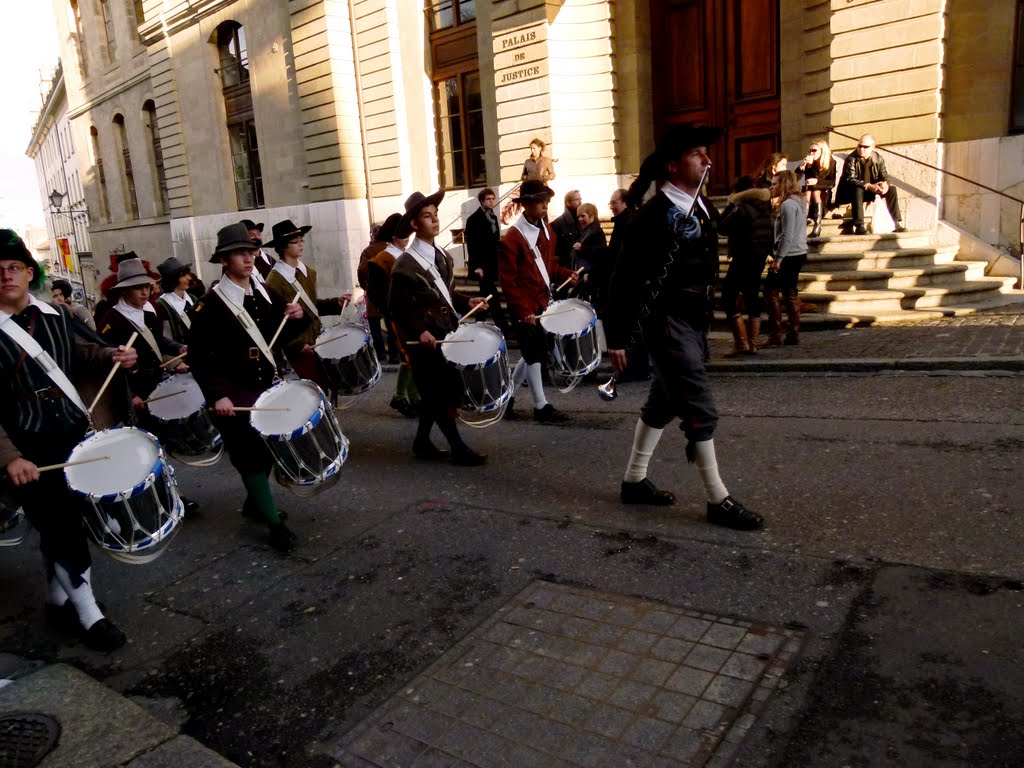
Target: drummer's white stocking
(81,596)
(55,594)
(533,375)
(518,375)
(645,440)
(707,466)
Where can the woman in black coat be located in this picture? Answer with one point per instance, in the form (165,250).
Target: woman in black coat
(818,170)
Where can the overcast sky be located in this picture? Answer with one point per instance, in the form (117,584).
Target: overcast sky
(31,46)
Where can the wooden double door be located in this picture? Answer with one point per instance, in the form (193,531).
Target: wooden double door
(716,62)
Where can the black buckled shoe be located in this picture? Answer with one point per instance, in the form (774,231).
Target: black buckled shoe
(729,513)
(467,457)
(103,636)
(429,452)
(548,415)
(281,537)
(645,492)
(510,411)
(191,508)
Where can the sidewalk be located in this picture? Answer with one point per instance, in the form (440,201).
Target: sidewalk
(988,340)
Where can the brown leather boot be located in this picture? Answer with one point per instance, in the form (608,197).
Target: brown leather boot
(775,314)
(739,337)
(793,313)
(753,332)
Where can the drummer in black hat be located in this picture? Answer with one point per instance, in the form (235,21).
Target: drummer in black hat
(529,273)
(663,288)
(264,261)
(296,281)
(175,304)
(40,424)
(425,308)
(231,361)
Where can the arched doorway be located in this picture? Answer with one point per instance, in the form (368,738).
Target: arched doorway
(717,62)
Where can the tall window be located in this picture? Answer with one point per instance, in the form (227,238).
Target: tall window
(139,15)
(108,30)
(76,18)
(131,200)
(460,127)
(1017,116)
(101,179)
(235,85)
(446,14)
(163,202)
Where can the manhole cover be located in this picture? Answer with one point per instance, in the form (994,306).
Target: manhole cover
(25,739)
(573,677)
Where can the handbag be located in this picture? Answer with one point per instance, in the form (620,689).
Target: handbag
(881,219)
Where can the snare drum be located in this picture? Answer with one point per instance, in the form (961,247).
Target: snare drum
(133,505)
(299,428)
(480,355)
(181,421)
(571,327)
(12,517)
(348,359)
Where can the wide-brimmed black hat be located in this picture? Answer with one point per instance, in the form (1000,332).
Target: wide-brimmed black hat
(684,136)
(389,228)
(285,231)
(532,190)
(415,203)
(250,224)
(132,272)
(233,237)
(170,270)
(13,248)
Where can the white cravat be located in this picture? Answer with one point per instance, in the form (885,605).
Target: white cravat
(393,249)
(137,317)
(531,234)
(424,255)
(680,199)
(180,305)
(236,294)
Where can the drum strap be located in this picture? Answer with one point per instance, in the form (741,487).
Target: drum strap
(248,325)
(305,298)
(531,235)
(181,313)
(21,337)
(145,333)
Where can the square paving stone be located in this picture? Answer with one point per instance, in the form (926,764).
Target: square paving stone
(564,676)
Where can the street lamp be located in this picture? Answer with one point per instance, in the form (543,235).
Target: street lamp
(56,199)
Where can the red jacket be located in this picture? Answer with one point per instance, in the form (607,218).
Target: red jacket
(519,276)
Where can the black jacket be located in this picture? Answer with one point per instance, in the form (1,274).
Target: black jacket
(117,329)
(853,175)
(658,274)
(567,232)
(826,178)
(482,245)
(747,221)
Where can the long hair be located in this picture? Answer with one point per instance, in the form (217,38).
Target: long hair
(789,185)
(765,171)
(824,154)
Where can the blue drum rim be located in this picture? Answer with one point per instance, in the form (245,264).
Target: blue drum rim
(151,541)
(155,471)
(503,347)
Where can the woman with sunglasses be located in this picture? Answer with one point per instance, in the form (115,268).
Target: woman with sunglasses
(819,173)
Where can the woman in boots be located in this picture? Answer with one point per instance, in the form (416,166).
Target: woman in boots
(818,170)
(747,221)
(790,257)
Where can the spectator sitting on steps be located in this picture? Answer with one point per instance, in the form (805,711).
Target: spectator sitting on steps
(864,178)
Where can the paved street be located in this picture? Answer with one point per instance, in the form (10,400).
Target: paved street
(891,569)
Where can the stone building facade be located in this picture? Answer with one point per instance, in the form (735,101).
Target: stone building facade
(330,112)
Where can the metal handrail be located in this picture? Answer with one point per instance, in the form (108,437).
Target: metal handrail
(978,184)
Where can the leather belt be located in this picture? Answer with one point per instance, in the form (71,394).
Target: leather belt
(46,393)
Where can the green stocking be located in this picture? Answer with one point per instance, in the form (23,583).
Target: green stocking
(258,488)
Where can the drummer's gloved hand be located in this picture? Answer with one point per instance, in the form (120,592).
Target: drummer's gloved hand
(427,339)
(21,471)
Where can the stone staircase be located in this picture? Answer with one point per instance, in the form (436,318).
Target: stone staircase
(858,280)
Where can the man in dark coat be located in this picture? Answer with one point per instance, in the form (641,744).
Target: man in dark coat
(482,236)
(663,287)
(425,308)
(232,363)
(567,228)
(41,421)
(638,366)
(864,178)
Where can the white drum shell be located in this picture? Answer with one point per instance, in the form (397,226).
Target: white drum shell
(480,355)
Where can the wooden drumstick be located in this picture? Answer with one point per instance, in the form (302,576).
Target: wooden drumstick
(110,375)
(568,280)
(469,314)
(173,360)
(443,341)
(254,408)
(280,328)
(326,341)
(161,397)
(48,467)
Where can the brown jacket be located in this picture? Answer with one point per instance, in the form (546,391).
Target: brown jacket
(416,305)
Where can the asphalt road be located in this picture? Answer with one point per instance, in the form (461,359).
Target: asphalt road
(894,537)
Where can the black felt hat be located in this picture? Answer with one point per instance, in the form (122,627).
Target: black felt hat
(285,231)
(233,237)
(532,190)
(250,224)
(684,136)
(389,229)
(415,203)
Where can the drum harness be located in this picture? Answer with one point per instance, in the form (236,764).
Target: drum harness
(248,325)
(144,332)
